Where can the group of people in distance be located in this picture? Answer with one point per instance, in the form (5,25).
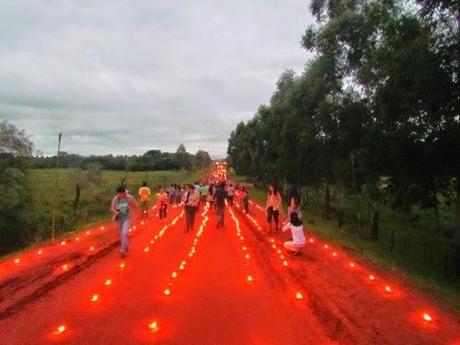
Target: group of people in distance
(124,206)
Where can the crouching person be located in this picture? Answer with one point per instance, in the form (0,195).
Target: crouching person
(298,236)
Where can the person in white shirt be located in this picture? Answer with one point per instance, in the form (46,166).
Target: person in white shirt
(191,200)
(298,236)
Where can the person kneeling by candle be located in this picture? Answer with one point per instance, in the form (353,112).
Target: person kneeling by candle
(298,237)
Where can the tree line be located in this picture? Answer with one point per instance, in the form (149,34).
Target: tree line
(375,113)
(150,160)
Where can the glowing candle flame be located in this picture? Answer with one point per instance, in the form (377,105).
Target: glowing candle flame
(88,232)
(371,277)
(167,292)
(250,278)
(311,240)
(65,267)
(352,264)
(181,267)
(63,243)
(387,288)
(146,249)
(40,252)
(102,227)
(108,282)
(95,298)
(174,275)
(326,246)
(247,256)
(427,317)
(122,265)
(61,329)
(153,326)
(298,295)
(334,254)
(285,263)
(91,248)
(17,261)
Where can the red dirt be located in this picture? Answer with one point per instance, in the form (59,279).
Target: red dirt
(212,302)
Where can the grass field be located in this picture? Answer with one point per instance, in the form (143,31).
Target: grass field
(98,188)
(419,251)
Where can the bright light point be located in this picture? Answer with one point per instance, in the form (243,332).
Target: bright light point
(427,317)
(241,238)
(181,267)
(16,261)
(152,241)
(279,251)
(108,282)
(40,252)
(272,240)
(102,227)
(95,298)
(63,243)
(65,267)
(247,256)
(153,326)
(352,264)
(298,295)
(122,265)
(250,278)
(142,223)
(245,248)
(91,248)
(326,246)
(146,249)
(274,246)
(387,288)
(167,292)
(77,239)
(88,232)
(311,240)
(371,277)
(282,257)
(285,263)
(61,329)
(174,274)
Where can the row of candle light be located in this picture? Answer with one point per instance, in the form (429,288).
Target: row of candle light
(371,277)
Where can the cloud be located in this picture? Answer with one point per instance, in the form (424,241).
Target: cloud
(125,77)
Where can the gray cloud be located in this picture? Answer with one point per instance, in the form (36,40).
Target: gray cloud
(128,76)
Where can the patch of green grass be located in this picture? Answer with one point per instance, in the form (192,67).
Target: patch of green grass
(418,251)
(98,189)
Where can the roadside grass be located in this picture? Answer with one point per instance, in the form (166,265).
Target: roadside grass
(96,194)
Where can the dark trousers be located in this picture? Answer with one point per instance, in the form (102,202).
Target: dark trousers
(163,208)
(190,213)
(220,216)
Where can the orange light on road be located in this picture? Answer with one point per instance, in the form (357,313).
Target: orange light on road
(77,239)
(146,249)
(40,252)
(61,329)
(352,264)
(122,265)
(91,248)
(88,232)
(63,243)
(285,263)
(108,282)
(388,289)
(427,317)
(167,292)
(371,277)
(250,278)
(153,326)
(95,298)
(17,261)
(247,256)
(181,267)
(326,246)
(65,267)
(279,251)
(174,274)
(298,295)
(334,254)
(245,248)
(102,227)
(311,240)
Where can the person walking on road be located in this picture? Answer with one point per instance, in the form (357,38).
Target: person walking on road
(273,207)
(230,193)
(219,201)
(123,207)
(298,236)
(245,199)
(144,199)
(163,200)
(191,202)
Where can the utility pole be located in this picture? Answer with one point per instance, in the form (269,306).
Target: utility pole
(55,194)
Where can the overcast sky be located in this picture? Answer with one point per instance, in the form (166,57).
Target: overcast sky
(128,76)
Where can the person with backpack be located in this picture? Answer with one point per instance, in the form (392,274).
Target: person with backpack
(123,207)
(245,199)
(298,236)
